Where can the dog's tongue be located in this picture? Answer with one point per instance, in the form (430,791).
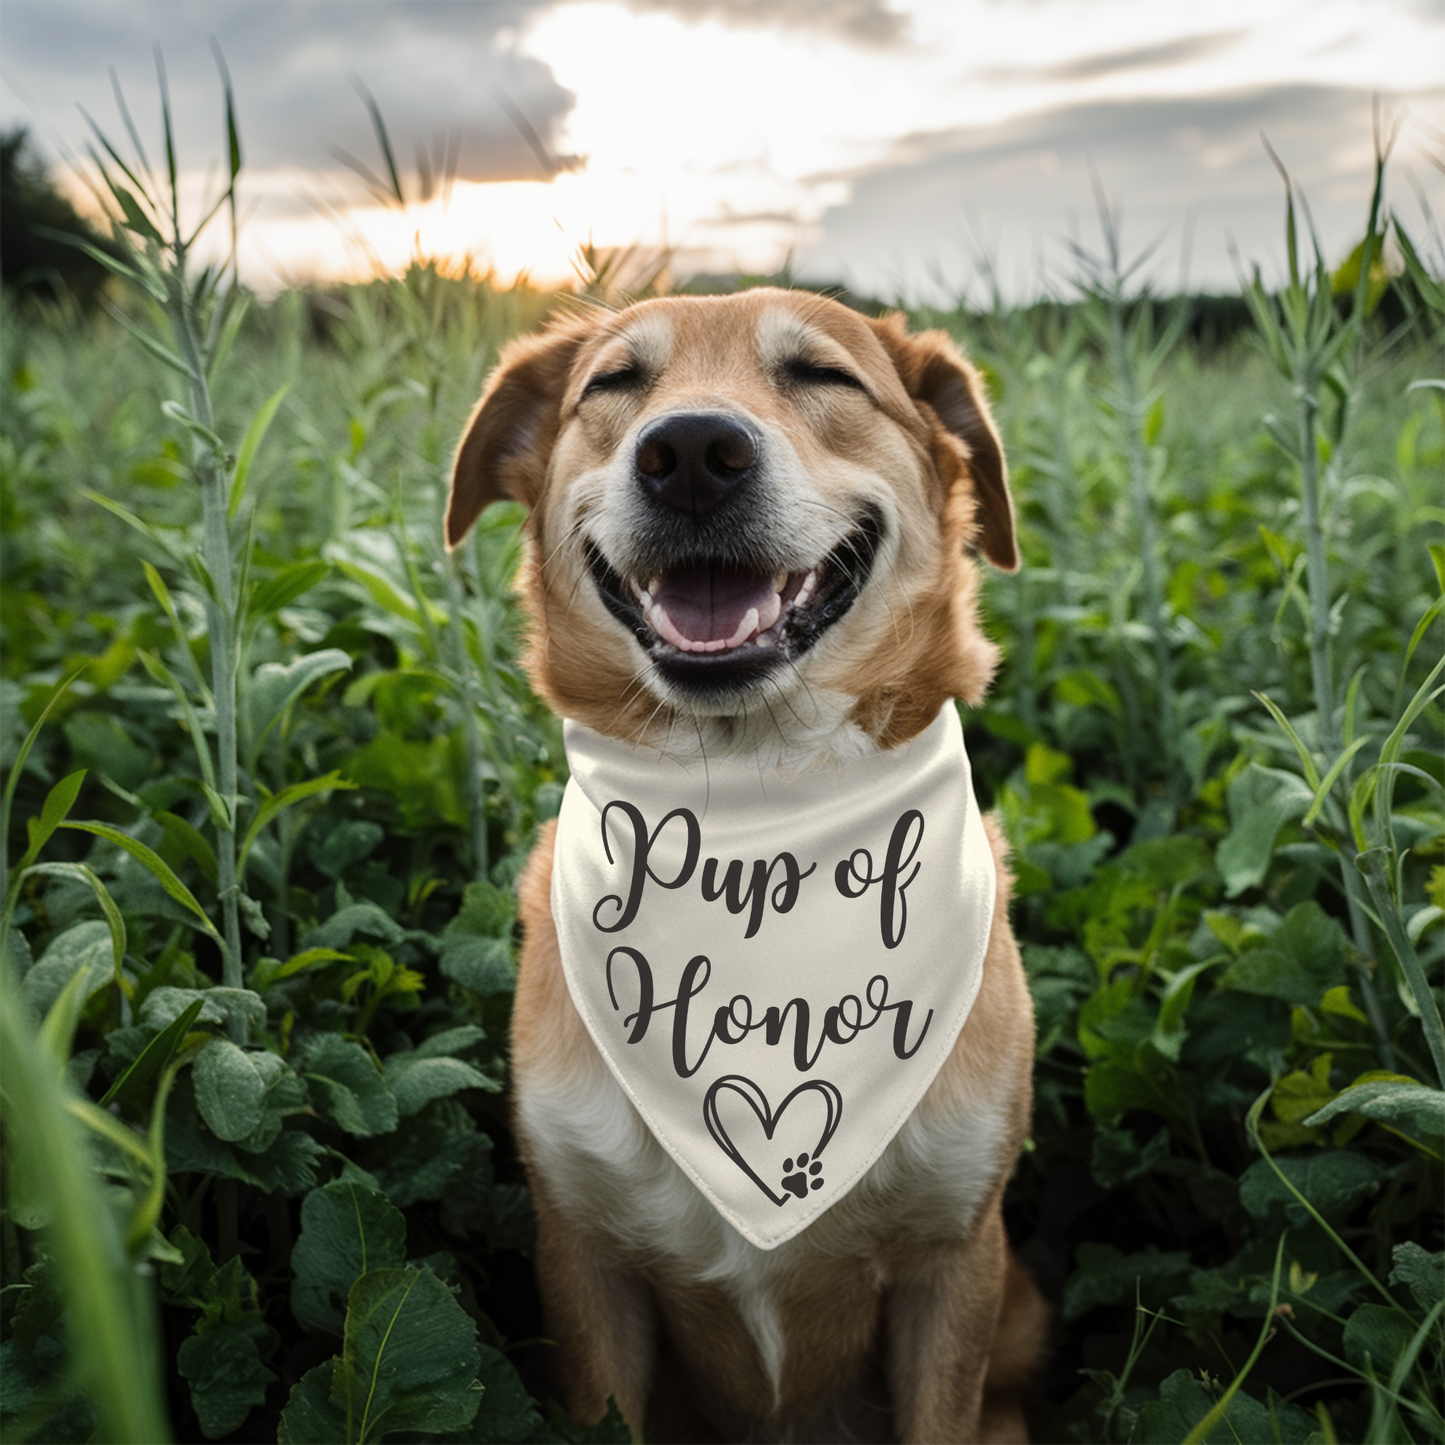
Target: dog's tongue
(705,609)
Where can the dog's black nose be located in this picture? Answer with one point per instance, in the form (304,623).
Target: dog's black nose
(690,461)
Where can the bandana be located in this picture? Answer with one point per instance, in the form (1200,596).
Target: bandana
(773,968)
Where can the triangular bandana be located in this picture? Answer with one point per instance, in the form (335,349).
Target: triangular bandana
(773,968)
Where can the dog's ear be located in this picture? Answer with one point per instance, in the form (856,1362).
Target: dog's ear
(937,375)
(504,450)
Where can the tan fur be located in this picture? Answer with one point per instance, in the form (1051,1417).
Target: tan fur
(884,1325)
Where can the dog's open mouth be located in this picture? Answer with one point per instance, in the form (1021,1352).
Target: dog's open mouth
(715,625)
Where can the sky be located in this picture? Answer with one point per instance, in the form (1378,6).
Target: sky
(915,150)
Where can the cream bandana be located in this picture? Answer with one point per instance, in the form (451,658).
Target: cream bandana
(774,969)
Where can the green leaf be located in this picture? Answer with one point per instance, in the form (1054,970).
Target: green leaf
(408,1367)
(1329,780)
(274,686)
(348,843)
(347,1087)
(152,1059)
(285,587)
(229,1089)
(449,1041)
(57,1028)
(389,599)
(508,1413)
(272,970)
(309,1417)
(483,965)
(1394,1099)
(197,429)
(1376,1336)
(347,922)
(157,349)
(83,950)
(191,842)
(1423,1273)
(250,444)
(114,921)
(155,863)
(1334,1181)
(286,1164)
(58,802)
(227,1377)
(1261,801)
(1104,1275)
(1154,421)
(1117,1158)
(438,1146)
(410,1359)
(165,1004)
(1306,956)
(346,1231)
(277,803)
(415,1082)
(1184,1401)
(17,768)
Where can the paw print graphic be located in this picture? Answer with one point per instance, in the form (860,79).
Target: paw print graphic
(797,1183)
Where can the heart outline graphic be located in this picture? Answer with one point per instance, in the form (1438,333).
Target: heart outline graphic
(757,1101)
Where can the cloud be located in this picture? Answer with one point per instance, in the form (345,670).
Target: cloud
(867,23)
(1164,56)
(1172,166)
(436,69)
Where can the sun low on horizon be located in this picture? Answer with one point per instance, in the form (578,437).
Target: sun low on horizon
(904,149)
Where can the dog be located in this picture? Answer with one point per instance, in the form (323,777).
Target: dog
(751,562)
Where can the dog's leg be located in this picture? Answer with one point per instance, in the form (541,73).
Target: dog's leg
(941,1321)
(602,1319)
(1018,1348)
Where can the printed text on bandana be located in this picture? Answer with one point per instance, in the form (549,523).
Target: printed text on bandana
(684,992)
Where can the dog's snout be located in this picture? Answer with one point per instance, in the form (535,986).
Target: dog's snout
(691,461)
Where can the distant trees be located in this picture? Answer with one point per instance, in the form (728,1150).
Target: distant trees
(34,215)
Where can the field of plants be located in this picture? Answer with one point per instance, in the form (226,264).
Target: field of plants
(271,767)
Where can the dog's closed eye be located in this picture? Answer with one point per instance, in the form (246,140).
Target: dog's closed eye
(623,378)
(805,372)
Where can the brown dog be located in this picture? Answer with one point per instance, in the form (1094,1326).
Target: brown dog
(751,520)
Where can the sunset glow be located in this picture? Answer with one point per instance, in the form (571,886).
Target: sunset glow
(734,143)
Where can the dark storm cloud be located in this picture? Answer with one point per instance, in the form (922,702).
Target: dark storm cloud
(433,68)
(1120,62)
(1171,165)
(867,23)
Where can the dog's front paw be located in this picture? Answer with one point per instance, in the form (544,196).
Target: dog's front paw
(797,1184)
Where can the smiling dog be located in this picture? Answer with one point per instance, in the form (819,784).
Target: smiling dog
(751,592)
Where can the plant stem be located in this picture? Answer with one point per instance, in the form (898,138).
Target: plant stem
(1373,863)
(471,730)
(220,617)
(1143,501)
(1318,574)
(1318,579)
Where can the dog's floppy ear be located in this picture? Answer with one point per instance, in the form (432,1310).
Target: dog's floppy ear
(937,374)
(504,450)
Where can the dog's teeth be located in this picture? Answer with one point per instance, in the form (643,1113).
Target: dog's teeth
(745,629)
(772,610)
